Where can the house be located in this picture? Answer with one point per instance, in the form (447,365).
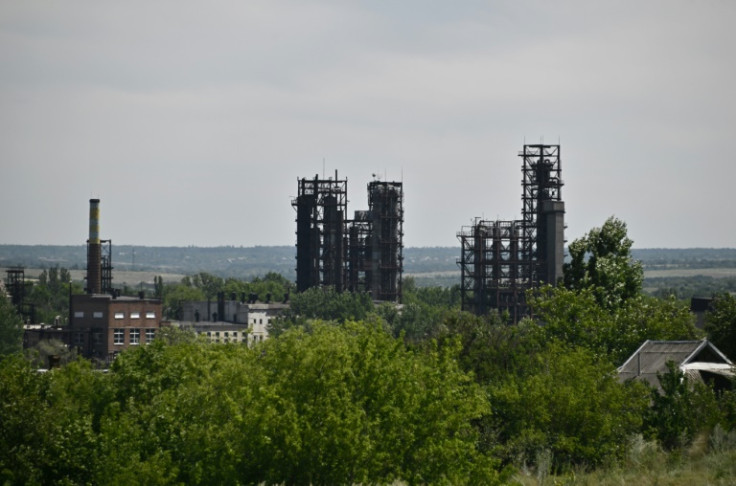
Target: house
(699,360)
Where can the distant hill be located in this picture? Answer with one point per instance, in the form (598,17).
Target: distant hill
(226,261)
(428,265)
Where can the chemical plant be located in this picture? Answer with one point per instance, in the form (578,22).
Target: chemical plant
(359,255)
(501,260)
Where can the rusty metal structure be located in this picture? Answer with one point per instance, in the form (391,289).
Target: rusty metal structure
(359,238)
(15,285)
(360,255)
(383,277)
(106,267)
(321,206)
(501,260)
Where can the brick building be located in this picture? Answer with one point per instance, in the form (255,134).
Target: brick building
(102,325)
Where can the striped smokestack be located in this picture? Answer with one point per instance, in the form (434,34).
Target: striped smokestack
(94,249)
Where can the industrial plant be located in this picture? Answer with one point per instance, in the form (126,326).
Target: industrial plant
(501,260)
(101,322)
(364,254)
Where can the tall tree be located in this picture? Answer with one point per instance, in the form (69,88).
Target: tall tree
(601,261)
(11,328)
(720,324)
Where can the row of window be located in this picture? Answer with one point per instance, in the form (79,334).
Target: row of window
(118,336)
(118,315)
(214,336)
(135,315)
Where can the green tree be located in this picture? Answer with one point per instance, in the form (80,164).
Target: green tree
(681,409)
(336,405)
(601,261)
(576,317)
(720,324)
(568,403)
(176,295)
(11,328)
(325,304)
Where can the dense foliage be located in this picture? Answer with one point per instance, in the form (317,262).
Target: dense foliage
(721,324)
(337,405)
(11,327)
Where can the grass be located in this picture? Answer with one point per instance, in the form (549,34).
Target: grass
(703,463)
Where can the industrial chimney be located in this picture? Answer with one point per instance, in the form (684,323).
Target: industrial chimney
(94,249)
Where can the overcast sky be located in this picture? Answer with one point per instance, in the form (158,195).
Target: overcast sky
(192,121)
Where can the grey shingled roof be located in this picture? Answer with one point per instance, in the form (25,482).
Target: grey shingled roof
(652,357)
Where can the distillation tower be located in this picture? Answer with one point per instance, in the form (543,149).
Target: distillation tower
(501,260)
(360,255)
(321,206)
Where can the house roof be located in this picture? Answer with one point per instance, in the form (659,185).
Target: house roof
(690,356)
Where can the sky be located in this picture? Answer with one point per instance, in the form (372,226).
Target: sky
(193,121)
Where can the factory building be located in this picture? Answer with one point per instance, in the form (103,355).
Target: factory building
(101,322)
(360,255)
(501,260)
(229,321)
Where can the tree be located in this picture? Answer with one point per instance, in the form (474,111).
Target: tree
(568,403)
(720,324)
(601,261)
(681,409)
(11,328)
(577,318)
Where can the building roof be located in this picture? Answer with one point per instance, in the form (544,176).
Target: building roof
(692,357)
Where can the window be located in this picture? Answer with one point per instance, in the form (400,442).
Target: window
(118,336)
(79,338)
(97,337)
(135,336)
(120,315)
(150,315)
(135,315)
(78,314)
(97,315)
(150,335)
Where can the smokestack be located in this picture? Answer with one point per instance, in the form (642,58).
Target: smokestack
(94,249)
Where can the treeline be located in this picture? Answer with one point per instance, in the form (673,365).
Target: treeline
(349,392)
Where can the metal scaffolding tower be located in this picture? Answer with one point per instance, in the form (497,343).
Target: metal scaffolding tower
(501,260)
(15,285)
(359,237)
(385,201)
(106,267)
(321,205)
(541,182)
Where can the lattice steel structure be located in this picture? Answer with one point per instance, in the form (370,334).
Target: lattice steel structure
(385,201)
(15,285)
(359,238)
(541,188)
(501,260)
(321,206)
(106,267)
(490,263)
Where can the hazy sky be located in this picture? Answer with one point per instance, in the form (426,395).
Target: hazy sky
(192,121)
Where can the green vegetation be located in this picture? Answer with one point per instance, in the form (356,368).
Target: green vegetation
(11,328)
(337,405)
